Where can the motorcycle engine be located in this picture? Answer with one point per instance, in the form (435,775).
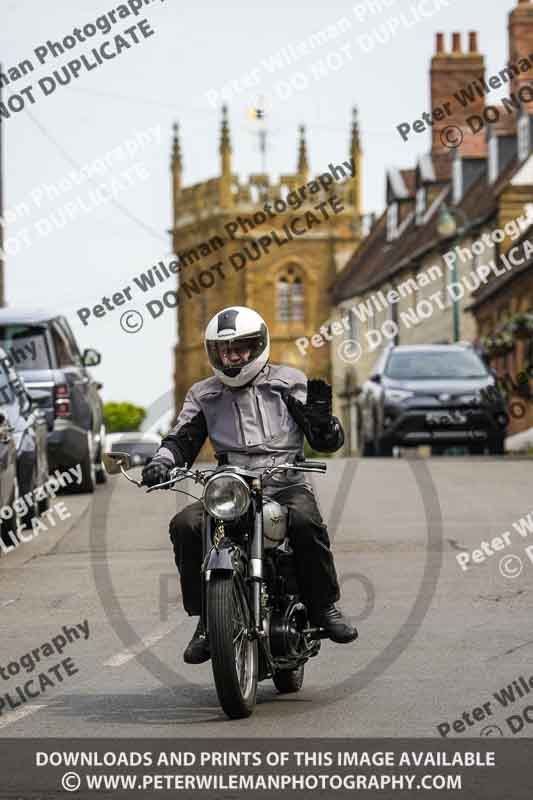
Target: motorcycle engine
(286,639)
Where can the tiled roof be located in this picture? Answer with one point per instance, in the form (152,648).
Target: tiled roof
(377,260)
(409,178)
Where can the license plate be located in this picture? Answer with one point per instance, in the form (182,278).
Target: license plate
(445,418)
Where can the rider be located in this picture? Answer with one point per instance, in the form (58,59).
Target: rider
(256,414)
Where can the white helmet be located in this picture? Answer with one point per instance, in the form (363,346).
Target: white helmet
(237,345)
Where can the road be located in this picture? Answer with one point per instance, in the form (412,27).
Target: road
(435,641)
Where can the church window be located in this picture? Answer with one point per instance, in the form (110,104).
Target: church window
(290,296)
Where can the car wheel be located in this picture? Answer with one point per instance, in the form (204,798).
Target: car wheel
(33,510)
(497,446)
(43,505)
(383,450)
(88,469)
(476,449)
(9,528)
(101,474)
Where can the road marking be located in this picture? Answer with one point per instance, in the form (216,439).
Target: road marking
(127,655)
(14,716)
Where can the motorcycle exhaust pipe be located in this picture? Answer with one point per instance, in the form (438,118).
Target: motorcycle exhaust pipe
(315,633)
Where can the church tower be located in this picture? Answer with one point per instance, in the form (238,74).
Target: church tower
(247,243)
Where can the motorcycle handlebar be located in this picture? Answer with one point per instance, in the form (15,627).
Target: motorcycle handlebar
(180,473)
(320,466)
(299,466)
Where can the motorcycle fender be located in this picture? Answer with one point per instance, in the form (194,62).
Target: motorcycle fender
(221,560)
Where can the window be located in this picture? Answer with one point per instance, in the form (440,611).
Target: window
(420,205)
(352,325)
(457,180)
(434,365)
(392,222)
(297,299)
(7,395)
(71,342)
(283,304)
(26,345)
(64,355)
(493,158)
(523,136)
(290,299)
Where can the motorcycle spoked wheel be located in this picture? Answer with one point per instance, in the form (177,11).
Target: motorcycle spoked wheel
(234,657)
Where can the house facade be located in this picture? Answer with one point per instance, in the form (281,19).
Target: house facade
(448,223)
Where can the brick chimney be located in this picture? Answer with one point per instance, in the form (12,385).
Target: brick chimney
(452,72)
(521,45)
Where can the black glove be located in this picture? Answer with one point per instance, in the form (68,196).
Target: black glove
(318,406)
(316,413)
(157,471)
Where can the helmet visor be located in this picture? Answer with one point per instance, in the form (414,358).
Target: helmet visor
(231,355)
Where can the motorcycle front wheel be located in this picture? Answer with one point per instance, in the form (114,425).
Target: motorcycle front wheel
(234,655)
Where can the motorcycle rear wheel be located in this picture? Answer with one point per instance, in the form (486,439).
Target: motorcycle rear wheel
(234,656)
(288,681)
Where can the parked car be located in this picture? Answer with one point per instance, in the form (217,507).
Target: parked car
(45,353)
(141,447)
(438,395)
(23,453)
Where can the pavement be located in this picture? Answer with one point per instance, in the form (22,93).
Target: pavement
(520,442)
(436,641)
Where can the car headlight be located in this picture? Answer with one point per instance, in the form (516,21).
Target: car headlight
(397,395)
(226,497)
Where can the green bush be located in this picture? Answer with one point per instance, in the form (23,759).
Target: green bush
(120,417)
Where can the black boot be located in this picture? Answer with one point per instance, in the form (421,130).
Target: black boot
(197,651)
(336,625)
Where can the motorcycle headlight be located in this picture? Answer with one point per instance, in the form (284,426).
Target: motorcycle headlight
(226,497)
(397,395)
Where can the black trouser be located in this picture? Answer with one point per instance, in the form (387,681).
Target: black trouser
(308,537)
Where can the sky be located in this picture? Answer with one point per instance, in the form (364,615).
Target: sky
(114,122)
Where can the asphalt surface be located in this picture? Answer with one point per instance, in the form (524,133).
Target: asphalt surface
(435,641)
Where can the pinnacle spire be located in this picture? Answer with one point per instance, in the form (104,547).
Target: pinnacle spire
(355,130)
(303,163)
(355,153)
(176,149)
(225,143)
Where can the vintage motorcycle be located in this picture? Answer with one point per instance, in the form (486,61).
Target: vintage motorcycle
(256,624)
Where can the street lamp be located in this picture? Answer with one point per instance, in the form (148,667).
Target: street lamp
(447,228)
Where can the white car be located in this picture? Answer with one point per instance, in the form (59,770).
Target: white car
(141,447)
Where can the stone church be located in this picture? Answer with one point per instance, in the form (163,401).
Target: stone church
(287,282)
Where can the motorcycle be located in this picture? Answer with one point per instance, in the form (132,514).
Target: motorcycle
(256,624)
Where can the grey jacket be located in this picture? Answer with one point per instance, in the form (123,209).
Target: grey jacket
(254,427)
